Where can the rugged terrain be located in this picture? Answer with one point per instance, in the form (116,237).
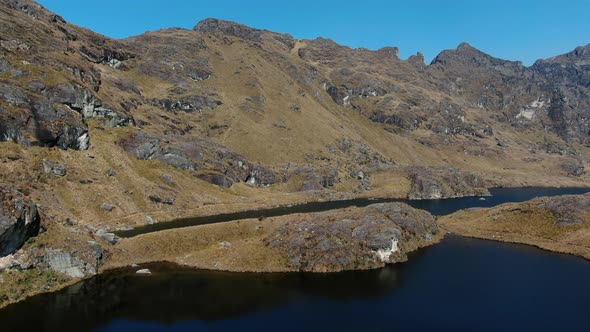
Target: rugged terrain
(98,134)
(560,224)
(346,239)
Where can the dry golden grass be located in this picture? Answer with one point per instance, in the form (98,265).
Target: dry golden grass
(200,247)
(521,223)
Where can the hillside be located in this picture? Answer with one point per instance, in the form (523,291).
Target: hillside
(104,134)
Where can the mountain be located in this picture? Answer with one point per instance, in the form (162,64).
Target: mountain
(108,134)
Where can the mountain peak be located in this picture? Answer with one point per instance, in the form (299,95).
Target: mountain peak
(213,25)
(465,46)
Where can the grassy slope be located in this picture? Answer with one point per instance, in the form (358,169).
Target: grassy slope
(521,223)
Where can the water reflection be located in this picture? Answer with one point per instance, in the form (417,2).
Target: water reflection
(173,293)
(459,285)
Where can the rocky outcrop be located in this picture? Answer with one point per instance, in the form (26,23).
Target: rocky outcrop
(187,104)
(568,210)
(354,239)
(19,220)
(54,168)
(444,182)
(355,87)
(573,167)
(106,56)
(215,163)
(83,101)
(48,124)
(261,176)
(217,179)
(315,178)
(212,25)
(65,263)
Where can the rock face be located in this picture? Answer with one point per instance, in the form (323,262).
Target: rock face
(363,238)
(63,262)
(215,163)
(45,123)
(19,220)
(212,25)
(188,104)
(83,101)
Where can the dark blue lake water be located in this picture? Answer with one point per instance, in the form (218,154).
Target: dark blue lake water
(459,285)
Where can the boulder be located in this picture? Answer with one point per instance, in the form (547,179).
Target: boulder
(111,238)
(63,262)
(19,220)
(168,179)
(54,168)
(107,207)
(150,220)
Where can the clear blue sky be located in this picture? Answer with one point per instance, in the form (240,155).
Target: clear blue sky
(523,30)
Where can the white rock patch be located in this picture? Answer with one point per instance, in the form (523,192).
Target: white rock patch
(384,254)
(538,103)
(526,113)
(346,100)
(530,111)
(83,141)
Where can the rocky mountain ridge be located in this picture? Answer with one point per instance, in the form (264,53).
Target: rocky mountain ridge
(104,134)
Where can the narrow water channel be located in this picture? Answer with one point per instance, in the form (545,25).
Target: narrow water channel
(434,206)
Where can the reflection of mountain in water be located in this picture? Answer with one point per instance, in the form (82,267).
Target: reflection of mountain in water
(174,293)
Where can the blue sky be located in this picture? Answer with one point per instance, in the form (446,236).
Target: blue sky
(523,30)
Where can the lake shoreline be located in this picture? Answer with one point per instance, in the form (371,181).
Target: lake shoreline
(115,268)
(126,263)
